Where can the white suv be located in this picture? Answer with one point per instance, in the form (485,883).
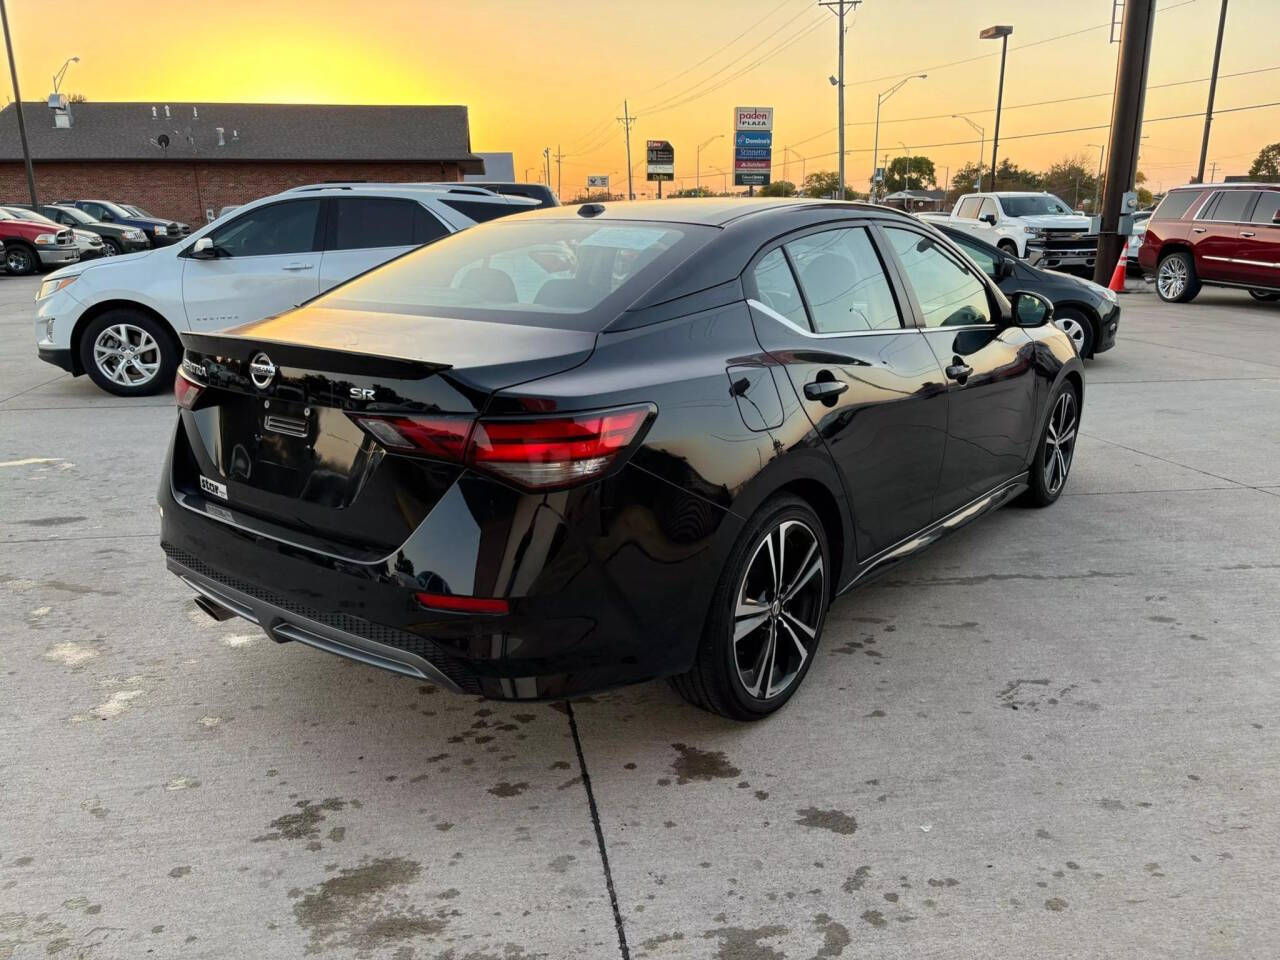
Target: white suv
(116,319)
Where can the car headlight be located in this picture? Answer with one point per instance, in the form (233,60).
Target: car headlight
(1035,233)
(53,285)
(162,232)
(46,238)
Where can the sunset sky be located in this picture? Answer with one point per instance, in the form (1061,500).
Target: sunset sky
(538,73)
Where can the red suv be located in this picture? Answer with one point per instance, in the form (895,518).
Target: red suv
(30,245)
(1223,235)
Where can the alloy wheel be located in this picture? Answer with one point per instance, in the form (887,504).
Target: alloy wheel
(127,355)
(108,249)
(1074,329)
(779,610)
(1059,442)
(18,261)
(1172,277)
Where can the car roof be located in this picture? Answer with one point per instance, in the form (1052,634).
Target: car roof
(442,189)
(1234,185)
(709,211)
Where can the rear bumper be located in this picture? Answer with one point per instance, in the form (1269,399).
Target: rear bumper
(597,602)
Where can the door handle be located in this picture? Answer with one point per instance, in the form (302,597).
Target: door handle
(1198,229)
(959,371)
(824,390)
(1246,233)
(297,266)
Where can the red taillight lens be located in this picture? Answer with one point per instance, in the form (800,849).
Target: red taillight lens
(185,390)
(457,604)
(533,452)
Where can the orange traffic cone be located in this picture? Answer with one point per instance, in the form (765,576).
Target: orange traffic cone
(1117,277)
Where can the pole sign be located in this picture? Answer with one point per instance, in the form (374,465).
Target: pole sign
(752,146)
(661,158)
(598,181)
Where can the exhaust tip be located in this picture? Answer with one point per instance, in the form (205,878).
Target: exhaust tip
(214,610)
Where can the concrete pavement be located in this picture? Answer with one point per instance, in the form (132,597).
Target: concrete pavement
(1055,733)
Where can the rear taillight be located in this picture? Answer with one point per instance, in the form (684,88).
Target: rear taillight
(453,603)
(534,452)
(185,390)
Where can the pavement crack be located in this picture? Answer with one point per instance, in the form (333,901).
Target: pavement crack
(623,950)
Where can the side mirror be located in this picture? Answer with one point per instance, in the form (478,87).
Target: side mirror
(988,218)
(203,249)
(1004,269)
(1031,309)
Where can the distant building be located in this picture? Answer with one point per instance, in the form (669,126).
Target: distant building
(180,160)
(917,201)
(498,167)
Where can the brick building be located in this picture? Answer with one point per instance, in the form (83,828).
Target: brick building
(181,160)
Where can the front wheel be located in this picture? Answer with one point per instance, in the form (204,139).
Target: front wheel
(20,260)
(1057,448)
(1264,296)
(1009,247)
(766,615)
(129,353)
(1176,280)
(1076,326)
(110,248)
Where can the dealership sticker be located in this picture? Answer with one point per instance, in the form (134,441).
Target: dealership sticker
(213,487)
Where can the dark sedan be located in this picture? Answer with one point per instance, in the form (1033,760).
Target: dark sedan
(596,445)
(1085,311)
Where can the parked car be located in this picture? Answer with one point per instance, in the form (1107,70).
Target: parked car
(1221,235)
(1035,226)
(89,244)
(160,232)
(116,238)
(137,211)
(30,246)
(1085,311)
(534,191)
(1134,243)
(594,446)
(118,320)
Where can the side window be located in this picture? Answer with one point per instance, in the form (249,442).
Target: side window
(989,206)
(969,208)
(1231,205)
(1175,204)
(280,228)
(363,223)
(1268,205)
(949,295)
(93,210)
(480,211)
(844,282)
(979,255)
(776,287)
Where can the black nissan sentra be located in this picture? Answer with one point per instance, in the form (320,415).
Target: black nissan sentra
(590,446)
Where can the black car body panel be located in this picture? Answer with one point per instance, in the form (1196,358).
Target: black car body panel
(607,581)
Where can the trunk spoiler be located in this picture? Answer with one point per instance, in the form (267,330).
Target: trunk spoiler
(326,359)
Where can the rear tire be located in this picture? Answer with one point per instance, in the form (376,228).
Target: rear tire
(1076,325)
(1056,448)
(20,260)
(1264,296)
(766,617)
(129,353)
(1009,247)
(1176,279)
(110,248)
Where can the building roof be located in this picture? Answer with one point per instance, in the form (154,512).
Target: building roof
(250,132)
(918,195)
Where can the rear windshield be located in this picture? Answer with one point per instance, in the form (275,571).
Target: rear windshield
(1033,206)
(1175,204)
(569,274)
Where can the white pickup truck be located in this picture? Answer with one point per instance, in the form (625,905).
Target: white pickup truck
(1038,227)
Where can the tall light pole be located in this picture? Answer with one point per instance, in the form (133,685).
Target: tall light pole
(724,179)
(627,120)
(697,162)
(879,100)
(1097,183)
(62,72)
(840,8)
(803,160)
(17,106)
(1213,87)
(906,155)
(546,159)
(1001,33)
(982,144)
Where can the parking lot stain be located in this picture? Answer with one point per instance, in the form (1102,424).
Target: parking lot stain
(303,825)
(835,936)
(741,943)
(695,764)
(1056,904)
(179,872)
(70,654)
(505,789)
(50,521)
(875,918)
(857,881)
(837,821)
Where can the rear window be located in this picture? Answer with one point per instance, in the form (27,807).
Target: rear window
(568,274)
(482,212)
(1268,205)
(1175,205)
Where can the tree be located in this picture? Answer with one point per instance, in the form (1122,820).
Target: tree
(779,188)
(693,192)
(1071,179)
(964,180)
(1267,163)
(826,184)
(910,173)
(1009,176)
(77,98)
(1145,199)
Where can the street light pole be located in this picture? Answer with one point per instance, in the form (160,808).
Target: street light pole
(982,145)
(1097,183)
(17,105)
(875,149)
(697,162)
(1213,87)
(62,72)
(992,33)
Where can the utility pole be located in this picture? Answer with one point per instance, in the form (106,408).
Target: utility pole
(1213,87)
(1213,173)
(1126,129)
(840,8)
(17,105)
(1002,33)
(559,172)
(546,161)
(627,120)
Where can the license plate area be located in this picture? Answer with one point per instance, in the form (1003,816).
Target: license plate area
(286,434)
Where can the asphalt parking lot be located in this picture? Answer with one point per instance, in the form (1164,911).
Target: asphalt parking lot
(1054,734)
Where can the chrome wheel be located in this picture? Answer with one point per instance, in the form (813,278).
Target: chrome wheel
(1059,442)
(779,610)
(1171,278)
(127,355)
(1074,329)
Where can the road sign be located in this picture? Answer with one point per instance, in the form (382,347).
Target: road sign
(661,160)
(598,181)
(752,146)
(879,177)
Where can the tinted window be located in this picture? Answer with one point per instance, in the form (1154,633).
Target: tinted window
(1033,206)
(844,282)
(1268,204)
(969,208)
(365,222)
(555,273)
(984,258)
(776,288)
(280,228)
(480,212)
(1175,204)
(949,295)
(1231,205)
(989,207)
(94,210)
